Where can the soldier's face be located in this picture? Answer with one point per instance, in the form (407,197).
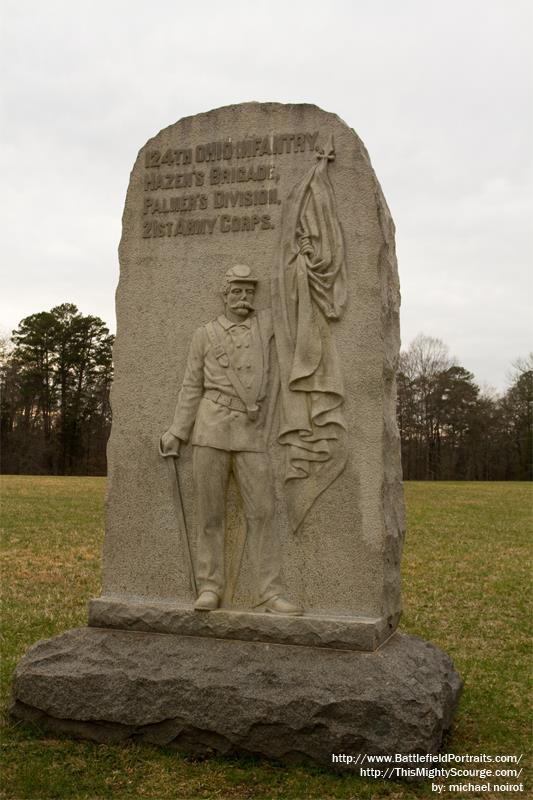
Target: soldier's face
(240,298)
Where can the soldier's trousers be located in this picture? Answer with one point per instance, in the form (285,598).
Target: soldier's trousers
(253,473)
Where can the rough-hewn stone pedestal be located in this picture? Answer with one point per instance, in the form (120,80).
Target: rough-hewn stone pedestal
(206,695)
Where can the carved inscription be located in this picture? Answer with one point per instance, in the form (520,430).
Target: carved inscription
(216,179)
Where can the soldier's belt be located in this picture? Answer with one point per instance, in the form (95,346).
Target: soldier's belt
(225,400)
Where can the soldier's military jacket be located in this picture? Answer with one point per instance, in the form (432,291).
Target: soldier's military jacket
(208,404)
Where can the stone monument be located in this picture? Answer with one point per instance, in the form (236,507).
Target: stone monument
(255,508)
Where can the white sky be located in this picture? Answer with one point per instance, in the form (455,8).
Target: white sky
(439,91)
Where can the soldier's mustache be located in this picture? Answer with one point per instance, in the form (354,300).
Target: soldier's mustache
(244,304)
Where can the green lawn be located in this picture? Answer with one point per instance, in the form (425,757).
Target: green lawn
(466,573)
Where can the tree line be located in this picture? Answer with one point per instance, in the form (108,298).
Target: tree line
(450,430)
(56,373)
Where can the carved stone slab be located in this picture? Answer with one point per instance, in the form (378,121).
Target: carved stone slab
(286,380)
(235,186)
(341,633)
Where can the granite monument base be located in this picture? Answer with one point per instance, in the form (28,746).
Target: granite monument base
(204,695)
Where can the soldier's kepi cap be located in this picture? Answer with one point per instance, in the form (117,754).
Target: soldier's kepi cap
(240,272)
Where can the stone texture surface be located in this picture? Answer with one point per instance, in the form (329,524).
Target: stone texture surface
(344,559)
(343,633)
(206,695)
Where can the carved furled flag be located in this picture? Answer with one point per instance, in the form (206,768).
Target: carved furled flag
(309,290)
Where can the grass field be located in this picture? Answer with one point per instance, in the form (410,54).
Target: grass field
(466,573)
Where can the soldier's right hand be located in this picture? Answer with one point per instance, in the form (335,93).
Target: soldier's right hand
(170,444)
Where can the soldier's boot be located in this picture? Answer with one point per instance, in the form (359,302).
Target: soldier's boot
(279,605)
(207,601)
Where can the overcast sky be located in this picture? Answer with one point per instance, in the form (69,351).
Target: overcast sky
(439,91)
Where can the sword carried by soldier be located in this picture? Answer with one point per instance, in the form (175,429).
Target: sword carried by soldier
(172,461)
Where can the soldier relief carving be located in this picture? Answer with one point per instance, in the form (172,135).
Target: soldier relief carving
(244,363)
